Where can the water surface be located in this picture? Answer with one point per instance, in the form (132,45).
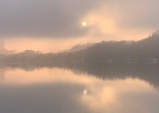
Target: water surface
(57,90)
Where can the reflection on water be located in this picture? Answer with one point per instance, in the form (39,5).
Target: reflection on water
(55,90)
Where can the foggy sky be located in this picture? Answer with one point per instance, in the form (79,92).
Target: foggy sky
(51,18)
(54,22)
(62,19)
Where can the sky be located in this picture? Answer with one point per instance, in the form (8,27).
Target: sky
(56,25)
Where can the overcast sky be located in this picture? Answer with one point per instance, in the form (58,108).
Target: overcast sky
(55,22)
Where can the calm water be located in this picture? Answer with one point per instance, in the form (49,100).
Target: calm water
(55,90)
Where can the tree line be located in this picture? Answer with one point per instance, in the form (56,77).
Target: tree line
(119,51)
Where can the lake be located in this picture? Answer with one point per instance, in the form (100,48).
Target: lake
(62,90)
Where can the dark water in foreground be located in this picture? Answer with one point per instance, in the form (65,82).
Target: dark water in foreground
(55,90)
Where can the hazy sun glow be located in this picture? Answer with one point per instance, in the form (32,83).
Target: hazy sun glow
(84,24)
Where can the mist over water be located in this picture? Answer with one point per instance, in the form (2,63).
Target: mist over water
(33,89)
(109,76)
(79,56)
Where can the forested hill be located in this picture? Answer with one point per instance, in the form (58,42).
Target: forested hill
(116,50)
(146,48)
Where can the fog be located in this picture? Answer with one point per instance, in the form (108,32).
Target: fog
(40,25)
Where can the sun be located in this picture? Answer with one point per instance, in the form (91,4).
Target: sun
(84,24)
